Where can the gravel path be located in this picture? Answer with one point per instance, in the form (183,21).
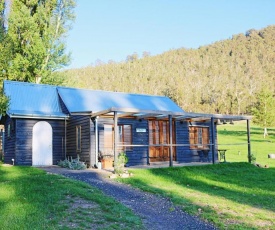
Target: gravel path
(156,212)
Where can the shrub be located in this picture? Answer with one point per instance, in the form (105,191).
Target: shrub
(121,161)
(74,164)
(252,158)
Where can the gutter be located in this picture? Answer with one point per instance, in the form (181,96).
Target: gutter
(33,116)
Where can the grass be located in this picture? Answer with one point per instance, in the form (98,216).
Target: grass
(234,138)
(33,199)
(232,196)
(236,195)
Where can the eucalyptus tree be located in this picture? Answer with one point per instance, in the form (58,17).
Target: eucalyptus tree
(33,41)
(264,111)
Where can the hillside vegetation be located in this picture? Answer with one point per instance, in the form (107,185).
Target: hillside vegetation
(223,77)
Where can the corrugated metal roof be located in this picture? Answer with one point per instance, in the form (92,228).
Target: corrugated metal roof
(81,100)
(27,99)
(42,101)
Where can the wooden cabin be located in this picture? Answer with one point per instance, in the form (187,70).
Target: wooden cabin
(45,124)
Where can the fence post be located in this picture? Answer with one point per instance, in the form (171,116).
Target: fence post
(213,139)
(248,141)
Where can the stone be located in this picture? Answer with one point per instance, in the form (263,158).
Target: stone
(113,176)
(124,175)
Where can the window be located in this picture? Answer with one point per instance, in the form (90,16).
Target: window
(199,137)
(108,138)
(9,130)
(78,138)
(124,137)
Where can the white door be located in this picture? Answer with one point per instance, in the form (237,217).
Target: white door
(42,144)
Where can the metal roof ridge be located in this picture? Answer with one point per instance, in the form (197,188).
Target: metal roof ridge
(29,83)
(108,91)
(57,87)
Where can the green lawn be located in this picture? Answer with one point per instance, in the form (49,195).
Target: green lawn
(234,138)
(236,195)
(33,199)
(232,196)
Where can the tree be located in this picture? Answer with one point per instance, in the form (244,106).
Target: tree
(131,58)
(264,111)
(33,40)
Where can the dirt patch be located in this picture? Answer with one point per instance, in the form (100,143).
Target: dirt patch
(84,214)
(79,213)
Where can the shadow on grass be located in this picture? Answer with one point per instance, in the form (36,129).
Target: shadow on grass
(239,182)
(37,200)
(231,185)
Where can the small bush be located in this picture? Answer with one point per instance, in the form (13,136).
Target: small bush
(74,164)
(119,165)
(252,158)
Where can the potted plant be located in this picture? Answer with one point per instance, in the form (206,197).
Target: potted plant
(106,159)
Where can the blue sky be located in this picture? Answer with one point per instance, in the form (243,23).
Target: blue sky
(112,29)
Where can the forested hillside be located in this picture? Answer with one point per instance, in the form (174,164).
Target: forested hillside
(223,77)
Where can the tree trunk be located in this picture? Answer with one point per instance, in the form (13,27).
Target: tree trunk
(265,132)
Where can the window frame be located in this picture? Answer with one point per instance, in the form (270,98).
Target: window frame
(126,148)
(197,140)
(78,141)
(9,130)
(121,136)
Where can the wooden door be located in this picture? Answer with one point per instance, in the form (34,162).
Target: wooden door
(159,136)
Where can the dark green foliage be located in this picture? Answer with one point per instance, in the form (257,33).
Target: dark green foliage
(223,77)
(4,103)
(31,43)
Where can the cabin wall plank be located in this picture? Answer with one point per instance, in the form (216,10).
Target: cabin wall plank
(9,143)
(72,123)
(19,145)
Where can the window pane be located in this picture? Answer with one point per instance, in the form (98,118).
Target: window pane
(165,132)
(124,137)
(198,137)
(78,138)
(156,130)
(192,138)
(127,136)
(205,137)
(151,140)
(108,138)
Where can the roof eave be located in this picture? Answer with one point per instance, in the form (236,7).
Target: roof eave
(39,116)
(177,115)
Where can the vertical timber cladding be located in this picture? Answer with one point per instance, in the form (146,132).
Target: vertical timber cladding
(82,124)
(159,135)
(23,130)
(137,155)
(9,141)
